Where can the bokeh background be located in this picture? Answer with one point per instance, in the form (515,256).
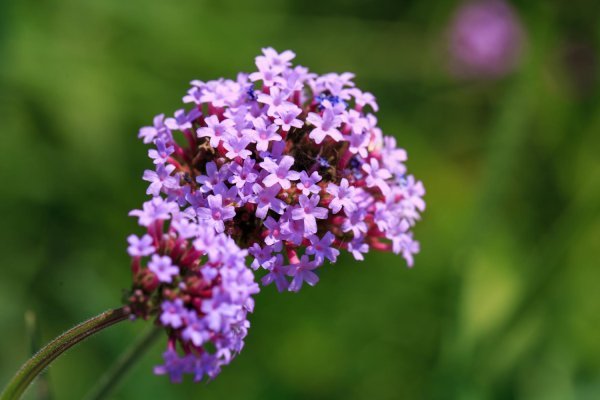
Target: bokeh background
(504,301)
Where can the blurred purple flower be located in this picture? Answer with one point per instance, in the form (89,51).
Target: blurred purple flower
(163,268)
(485,39)
(173,313)
(140,247)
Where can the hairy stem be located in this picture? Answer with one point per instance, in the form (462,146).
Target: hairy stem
(112,377)
(36,364)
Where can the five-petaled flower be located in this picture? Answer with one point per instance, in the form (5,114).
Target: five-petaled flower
(216,213)
(163,268)
(279,173)
(308,211)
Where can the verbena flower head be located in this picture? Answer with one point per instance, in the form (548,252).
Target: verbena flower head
(486,39)
(281,165)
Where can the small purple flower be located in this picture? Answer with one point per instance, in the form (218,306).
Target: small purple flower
(266,199)
(303,272)
(183,121)
(216,130)
(278,274)
(321,248)
(308,184)
(293,230)
(276,61)
(393,158)
(208,365)
(149,133)
(357,247)
(163,268)
(194,94)
(342,196)
(402,241)
(363,98)
(213,177)
(263,256)
(174,365)
(414,192)
(325,125)
(216,213)
(220,93)
(383,215)
(243,175)
(407,246)
(336,83)
(154,210)
(266,73)
(263,134)
(309,212)
(358,143)
(279,173)
(173,313)
(161,154)
(355,121)
(160,179)
(140,247)
(355,223)
(236,147)
(185,228)
(239,116)
(216,314)
(276,100)
(275,234)
(195,200)
(285,117)
(377,176)
(195,330)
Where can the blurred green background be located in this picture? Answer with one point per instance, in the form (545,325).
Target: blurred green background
(504,301)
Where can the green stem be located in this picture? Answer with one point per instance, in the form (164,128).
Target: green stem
(32,332)
(36,364)
(116,373)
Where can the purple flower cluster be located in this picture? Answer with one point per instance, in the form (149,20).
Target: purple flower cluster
(196,282)
(284,165)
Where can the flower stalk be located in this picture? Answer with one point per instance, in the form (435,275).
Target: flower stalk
(36,364)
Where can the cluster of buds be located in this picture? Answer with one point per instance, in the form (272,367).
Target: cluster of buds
(283,165)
